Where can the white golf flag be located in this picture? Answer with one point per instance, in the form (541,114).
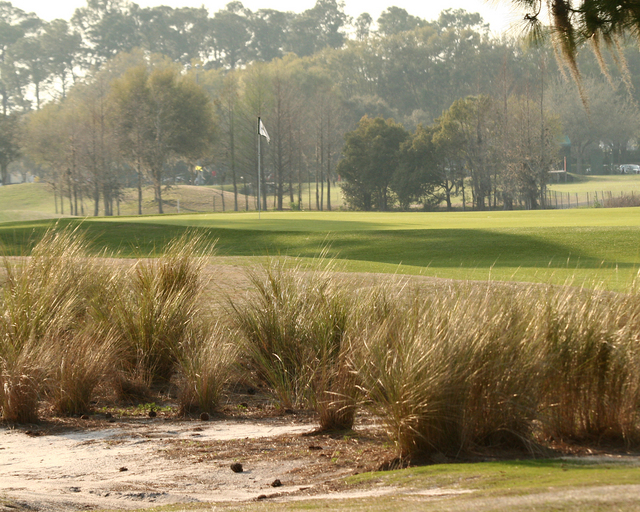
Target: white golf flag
(263,131)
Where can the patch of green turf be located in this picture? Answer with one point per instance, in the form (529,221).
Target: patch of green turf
(514,476)
(28,201)
(625,183)
(592,246)
(391,221)
(608,251)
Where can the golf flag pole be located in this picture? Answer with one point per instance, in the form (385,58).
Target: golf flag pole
(262,132)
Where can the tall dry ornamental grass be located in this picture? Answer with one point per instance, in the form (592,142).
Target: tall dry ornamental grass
(451,370)
(75,365)
(206,360)
(46,299)
(155,303)
(294,326)
(591,344)
(487,364)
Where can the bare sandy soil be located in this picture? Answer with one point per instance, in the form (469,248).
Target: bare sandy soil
(139,461)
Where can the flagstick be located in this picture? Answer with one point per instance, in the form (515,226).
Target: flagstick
(259,163)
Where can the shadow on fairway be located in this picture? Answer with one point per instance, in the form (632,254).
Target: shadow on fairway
(549,248)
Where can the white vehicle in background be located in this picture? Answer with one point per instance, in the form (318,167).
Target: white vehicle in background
(629,169)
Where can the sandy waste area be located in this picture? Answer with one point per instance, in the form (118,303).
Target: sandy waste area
(143,462)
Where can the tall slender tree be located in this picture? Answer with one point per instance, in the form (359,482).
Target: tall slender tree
(161,115)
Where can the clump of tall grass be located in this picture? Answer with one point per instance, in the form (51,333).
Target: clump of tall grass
(20,379)
(334,393)
(294,329)
(75,365)
(450,371)
(592,357)
(206,360)
(485,364)
(45,300)
(155,303)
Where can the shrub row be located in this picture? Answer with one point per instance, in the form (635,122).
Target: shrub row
(450,367)
(70,323)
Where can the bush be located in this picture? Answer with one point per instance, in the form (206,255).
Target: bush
(205,363)
(451,371)
(45,299)
(294,330)
(153,305)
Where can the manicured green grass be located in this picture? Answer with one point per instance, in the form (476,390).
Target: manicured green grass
(592,245)
(514,476)
(31,201)
(614,183)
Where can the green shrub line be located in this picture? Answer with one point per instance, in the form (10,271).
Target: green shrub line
(448,367)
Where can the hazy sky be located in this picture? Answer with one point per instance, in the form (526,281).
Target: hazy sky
(498,13)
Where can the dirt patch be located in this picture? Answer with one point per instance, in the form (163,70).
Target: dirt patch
(138,462)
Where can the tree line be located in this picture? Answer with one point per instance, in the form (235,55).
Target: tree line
(439,108)
(36,55)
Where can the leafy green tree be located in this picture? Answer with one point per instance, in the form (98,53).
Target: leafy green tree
(62,48)
(161,115)
(98,158)
(180,34)
(459,19)
(317,28)
(269,33)
(14,25)
(225,90)
(363,26)
(533,136)
(371,157)
(470,125)
(30,58)
(51,136)
(395,20)
(430,169)
(282,119)
(231,32)
(415,179)
(327,122)
(107,27)
(9,144)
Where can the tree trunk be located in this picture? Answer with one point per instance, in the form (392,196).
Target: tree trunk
(96,198)
(246,195)
(447,194)
(159,196)
(139,189)
(70,194)
(4,170)
(329,177)
(232,149)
